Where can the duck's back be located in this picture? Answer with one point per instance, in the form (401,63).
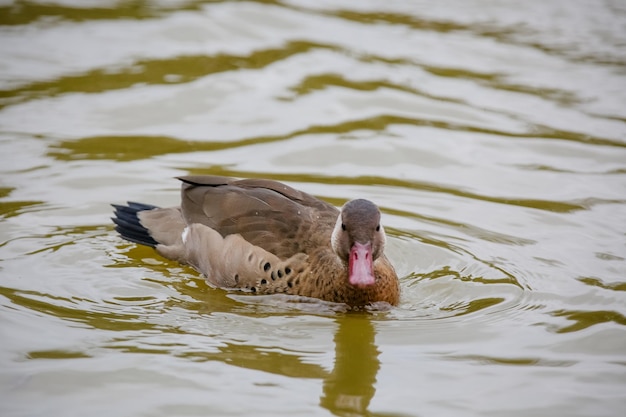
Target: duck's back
(268,214)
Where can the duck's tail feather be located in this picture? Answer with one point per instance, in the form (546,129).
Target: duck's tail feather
(129,226)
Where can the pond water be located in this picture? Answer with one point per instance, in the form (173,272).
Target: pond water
(491,133)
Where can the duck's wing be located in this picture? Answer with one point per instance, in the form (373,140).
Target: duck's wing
(269,214)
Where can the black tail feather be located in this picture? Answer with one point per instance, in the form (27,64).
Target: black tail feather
(128,225)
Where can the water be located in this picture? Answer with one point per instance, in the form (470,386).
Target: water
(492,135)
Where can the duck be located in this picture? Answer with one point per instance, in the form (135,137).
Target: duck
(265,237)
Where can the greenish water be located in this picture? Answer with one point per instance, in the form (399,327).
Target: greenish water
(491,134)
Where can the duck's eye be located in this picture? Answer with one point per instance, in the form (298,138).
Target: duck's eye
(343,226)
(378,228)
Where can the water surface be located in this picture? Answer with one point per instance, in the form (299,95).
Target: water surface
(491,134)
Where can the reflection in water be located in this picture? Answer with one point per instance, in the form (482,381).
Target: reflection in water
(493,137)
(24,12)
(349,388)
(584,319)
(183,69)
(14,208)
(66,309)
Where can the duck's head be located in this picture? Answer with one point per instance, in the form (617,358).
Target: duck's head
(359,239)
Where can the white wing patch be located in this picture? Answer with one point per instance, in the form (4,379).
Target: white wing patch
(336,236)
(185,234)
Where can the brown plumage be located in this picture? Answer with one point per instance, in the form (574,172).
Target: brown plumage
(268,238)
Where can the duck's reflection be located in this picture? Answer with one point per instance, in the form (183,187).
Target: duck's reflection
(349,388)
